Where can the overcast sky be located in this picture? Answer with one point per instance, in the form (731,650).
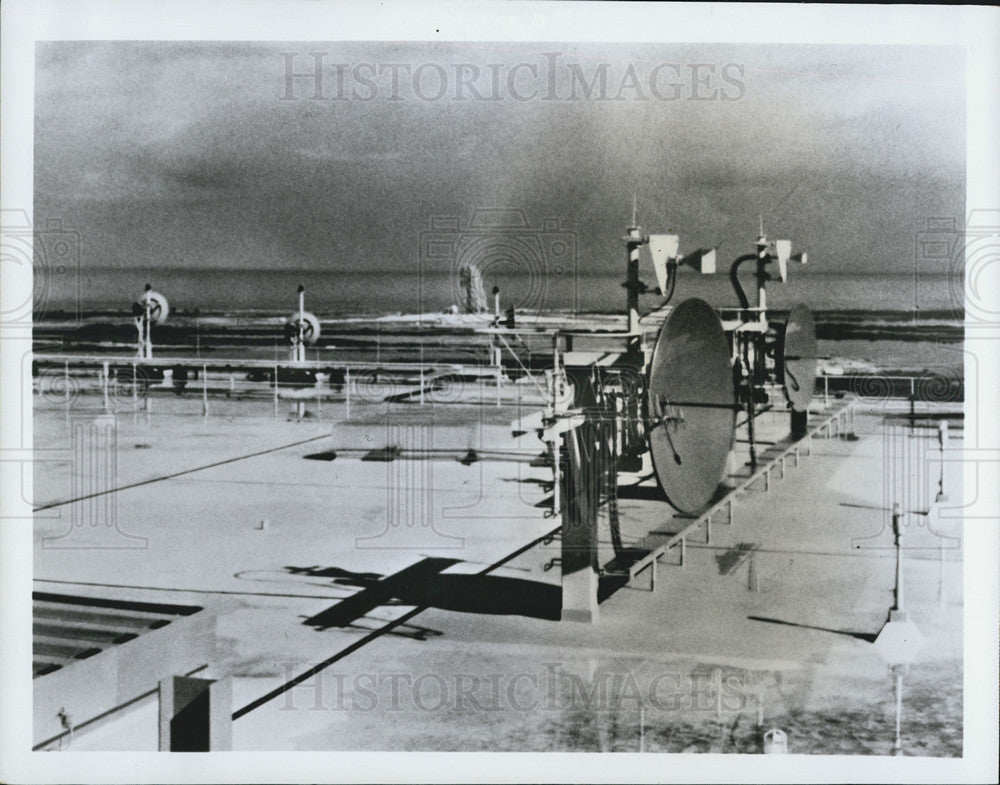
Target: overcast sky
(204,154)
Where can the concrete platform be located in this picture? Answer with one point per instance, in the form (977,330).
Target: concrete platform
(271,541)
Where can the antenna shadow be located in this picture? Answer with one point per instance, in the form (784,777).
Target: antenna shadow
(868,637)
(424,584)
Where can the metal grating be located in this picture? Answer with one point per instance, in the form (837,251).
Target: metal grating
(69,627)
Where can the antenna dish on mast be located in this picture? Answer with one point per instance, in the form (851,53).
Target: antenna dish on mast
(302,328)
(156,304)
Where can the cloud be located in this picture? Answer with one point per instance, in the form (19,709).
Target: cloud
(178,153)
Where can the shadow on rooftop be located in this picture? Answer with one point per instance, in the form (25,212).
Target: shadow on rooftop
(868,637)
(425,585)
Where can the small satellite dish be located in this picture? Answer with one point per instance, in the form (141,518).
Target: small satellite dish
(155,303)
(309,325)
(798,358)
(691,405)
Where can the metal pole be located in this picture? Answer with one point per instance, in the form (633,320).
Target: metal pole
(718,692)
(942,443)
(204,390)
(104,384)
(826,392)
(135,393)
(421,385)
(942,593)
(347,387)
(642,728)
(898,745)
(556,477)
(275,391)
(498,386)
(898,536)
(633,242)
(66,385)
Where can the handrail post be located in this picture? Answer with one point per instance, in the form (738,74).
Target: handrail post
(104,386)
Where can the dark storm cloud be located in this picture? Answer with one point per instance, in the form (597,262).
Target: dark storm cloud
(185,154)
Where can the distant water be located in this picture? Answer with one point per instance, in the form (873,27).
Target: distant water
(367,292)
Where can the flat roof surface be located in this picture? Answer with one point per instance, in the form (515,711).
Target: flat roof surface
(228,513)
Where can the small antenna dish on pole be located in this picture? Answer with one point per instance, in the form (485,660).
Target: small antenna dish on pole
(302,329)
(150,309)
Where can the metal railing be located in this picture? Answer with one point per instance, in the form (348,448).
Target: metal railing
(839,419)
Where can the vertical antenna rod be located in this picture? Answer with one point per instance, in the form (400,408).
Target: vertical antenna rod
(633,287)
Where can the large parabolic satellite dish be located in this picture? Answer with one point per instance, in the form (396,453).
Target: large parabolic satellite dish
(691,405)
